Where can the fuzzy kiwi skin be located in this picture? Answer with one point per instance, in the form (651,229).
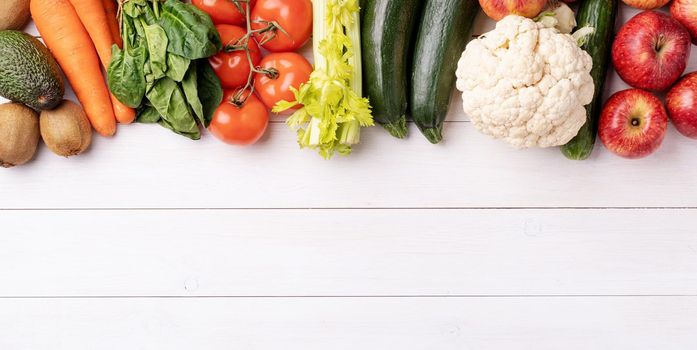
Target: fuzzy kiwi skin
(19,134)
(66,130)
(14,14)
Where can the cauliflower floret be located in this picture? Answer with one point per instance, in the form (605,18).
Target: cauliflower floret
(526,83)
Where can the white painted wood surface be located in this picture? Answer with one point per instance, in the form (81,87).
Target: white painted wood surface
(622,323)
(349,253)
(152,241)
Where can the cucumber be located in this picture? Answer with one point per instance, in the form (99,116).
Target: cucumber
(442,35)
(387,28)
(599,14)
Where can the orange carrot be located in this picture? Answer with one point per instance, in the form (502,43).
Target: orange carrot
(64,35)
(94,18)
(113,21)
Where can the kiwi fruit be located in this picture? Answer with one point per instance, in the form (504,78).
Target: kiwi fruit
(66,130)
(19,134)
(14,14)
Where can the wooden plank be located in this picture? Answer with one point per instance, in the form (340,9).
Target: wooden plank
(367,323)
(149,167)
(348,252)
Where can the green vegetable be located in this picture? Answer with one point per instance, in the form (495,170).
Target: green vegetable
(177,66)
(210,92)
(190,31)
(387,34)
(28,72)
(162,69)
(443,33)
(148,115)
(333,109)
(168,99)
(191,92)
(599,15)
(156,39)
(125,75)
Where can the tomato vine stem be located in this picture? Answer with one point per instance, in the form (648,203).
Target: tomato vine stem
(242,44)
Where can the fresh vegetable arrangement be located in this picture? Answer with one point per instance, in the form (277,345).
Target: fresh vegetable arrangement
(254,83)
(599,15)
(333,109)
(162,69)
(443,33)
(536,80)
(526,83)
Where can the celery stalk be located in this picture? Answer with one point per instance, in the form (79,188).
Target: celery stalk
(334,109)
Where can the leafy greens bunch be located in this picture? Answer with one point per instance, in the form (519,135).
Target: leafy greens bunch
(333,109)
(162,69)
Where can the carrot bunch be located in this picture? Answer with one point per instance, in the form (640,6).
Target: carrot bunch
(80,34)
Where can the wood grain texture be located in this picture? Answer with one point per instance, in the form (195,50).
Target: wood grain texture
(370,278)
(348,252)
(146,166)
(150,167)
(338,324)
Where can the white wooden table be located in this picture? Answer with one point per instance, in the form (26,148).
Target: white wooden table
(152,241)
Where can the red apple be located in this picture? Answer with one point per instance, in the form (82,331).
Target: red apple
(646,4)
(651,51)
(682,105)
(498,9)
(685,11)
(633,123)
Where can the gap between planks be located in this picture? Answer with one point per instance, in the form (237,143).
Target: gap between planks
(434,296)
(348,208)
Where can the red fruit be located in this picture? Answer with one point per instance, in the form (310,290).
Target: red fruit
(646,4)
(651,51)
(633,123)
(224,11)
(293,16)
(498,9)
(233,67)
(685,11)
(291,71)
(682,105)
(239,125)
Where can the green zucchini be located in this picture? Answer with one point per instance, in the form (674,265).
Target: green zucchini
(387,28)
(442,35)
(600,15)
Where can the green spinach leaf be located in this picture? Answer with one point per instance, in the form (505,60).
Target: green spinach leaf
(210,92)
(134,8)
(191,93)
(177,66)
(190,31)
(125,75)
(167,98)
(157,47)
(148,115)
(194,135)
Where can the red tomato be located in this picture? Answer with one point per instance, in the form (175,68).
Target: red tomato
(293,70)
(233,68)
(294,16)
(224,11)
(239,125)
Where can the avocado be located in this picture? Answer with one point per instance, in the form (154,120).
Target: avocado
(28,72)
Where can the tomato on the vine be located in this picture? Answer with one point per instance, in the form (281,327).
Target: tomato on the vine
(224,11)
(231,64)
(286,70)
(239,125)
(293,16)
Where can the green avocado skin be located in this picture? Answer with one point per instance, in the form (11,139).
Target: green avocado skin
(28,72)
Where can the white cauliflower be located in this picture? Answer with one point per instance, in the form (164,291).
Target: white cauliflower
(526,83)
